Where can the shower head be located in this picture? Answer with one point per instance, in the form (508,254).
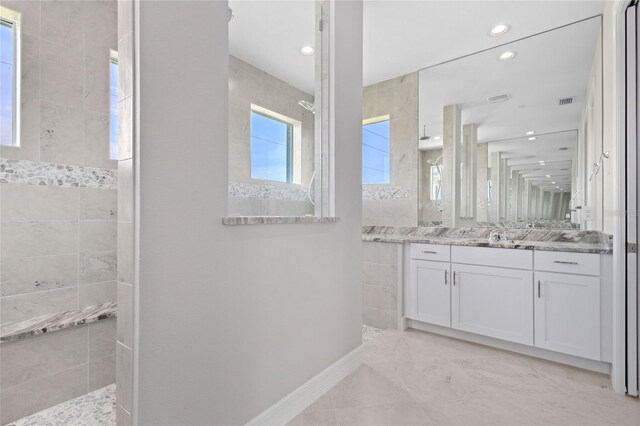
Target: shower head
(424,135)
(308,106)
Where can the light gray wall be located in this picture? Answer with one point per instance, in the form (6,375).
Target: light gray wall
(250,85)
(231,319)
(395,204)
(58,225)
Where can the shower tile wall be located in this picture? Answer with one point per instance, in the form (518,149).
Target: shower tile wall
(250,197)
(58,230)
(398,98)
(380,279)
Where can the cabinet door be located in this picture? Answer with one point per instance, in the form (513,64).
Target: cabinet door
(429,296)
(567,314)
(495,302)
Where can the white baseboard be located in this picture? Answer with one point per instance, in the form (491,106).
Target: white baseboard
(283,411)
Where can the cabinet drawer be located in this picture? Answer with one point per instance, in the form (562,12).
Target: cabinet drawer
(430,252)
(487,256)
(571,263)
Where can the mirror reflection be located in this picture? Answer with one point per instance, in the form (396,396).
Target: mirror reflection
(508,135)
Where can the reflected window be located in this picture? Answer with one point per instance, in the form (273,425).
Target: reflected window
(436,183)
(113,115)
(8,79)
(375,151)
(271,147)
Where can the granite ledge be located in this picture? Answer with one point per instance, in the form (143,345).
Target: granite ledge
(58,321)
(518,245)
(274,220)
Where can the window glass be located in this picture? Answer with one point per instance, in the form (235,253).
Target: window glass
(375,152)
(113,119)
(436,183)
(7,83)
(271,148)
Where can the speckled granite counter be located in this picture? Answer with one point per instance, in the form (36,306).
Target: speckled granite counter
(58,321)
(274,220)
(523,239)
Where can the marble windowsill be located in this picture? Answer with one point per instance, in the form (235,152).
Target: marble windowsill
(58,321)
(273,220)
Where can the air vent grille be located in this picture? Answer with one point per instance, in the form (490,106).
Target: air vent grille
(563,148)
(499,98)
(566,101)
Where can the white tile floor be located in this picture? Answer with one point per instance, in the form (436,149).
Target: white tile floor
(415,378)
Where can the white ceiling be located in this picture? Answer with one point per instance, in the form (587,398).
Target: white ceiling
(399,36)
(547,67)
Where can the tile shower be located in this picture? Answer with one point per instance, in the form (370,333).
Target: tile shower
(59,209)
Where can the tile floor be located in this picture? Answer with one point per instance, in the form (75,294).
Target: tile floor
(415,378)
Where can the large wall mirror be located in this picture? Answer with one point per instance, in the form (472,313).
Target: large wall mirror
(277,94)
(513,135)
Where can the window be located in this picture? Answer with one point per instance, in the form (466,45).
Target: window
(113,116)
(375,150)
(271,146)
(436,183)
(9,82)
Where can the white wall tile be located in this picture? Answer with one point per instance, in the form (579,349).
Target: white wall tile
(32,274)
(25,306)
(38,238)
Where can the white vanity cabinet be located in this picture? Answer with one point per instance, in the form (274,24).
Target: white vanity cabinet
(568,303)
(494,302)
(541,300)
(431,292)
(429,284)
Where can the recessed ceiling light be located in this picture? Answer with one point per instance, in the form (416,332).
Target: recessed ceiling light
(557,187)
(530,132)
(506,56)
(436,138)
(532,138)
(307,50)
(553,183)
(541,161)
(548,176)
(499,30)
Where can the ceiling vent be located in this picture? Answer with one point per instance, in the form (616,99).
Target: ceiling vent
(563,148)
(566,101)
(499,98)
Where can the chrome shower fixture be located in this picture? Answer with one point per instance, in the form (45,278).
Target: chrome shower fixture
(308,106)
(424,134)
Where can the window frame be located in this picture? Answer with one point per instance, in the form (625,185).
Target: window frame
(375,120)
(11,19)
(293,145)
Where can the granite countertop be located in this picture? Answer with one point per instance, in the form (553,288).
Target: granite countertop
(58,321)
(274,220)
(575,241)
